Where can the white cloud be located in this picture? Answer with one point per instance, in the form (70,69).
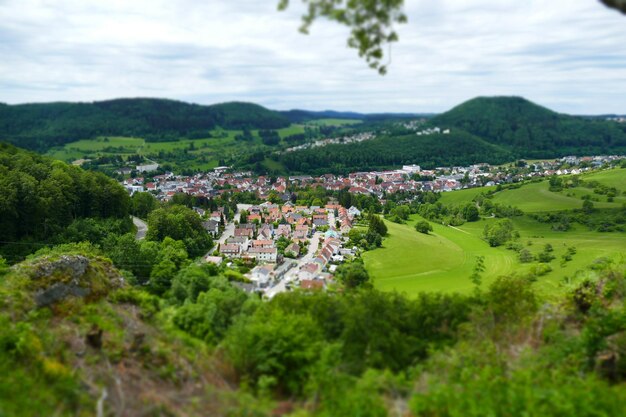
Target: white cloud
(566,54)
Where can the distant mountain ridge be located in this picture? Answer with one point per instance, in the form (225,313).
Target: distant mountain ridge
(302,116)
(528,129)
(41,126)
(485,129)
(514,125)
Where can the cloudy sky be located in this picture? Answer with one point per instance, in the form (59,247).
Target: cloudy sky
(569,55)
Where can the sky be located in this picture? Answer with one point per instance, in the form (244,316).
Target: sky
(568,55)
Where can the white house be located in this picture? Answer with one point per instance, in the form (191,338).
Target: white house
(264,254)
(147,168)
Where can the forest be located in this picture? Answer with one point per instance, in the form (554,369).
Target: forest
(458,148)
(45,201)
(486,129)
(532,131)
(42,126)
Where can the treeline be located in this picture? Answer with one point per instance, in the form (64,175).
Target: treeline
(41,126)
(45,201)
(458,148)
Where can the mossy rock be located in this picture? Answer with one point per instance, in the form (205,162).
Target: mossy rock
(52,279)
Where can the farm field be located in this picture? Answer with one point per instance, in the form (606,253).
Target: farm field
(186,153)
(412,262)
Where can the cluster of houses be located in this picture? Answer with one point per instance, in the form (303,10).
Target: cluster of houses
(343,140)
(288,240)
(410,178)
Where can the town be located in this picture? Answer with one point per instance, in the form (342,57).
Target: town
(282,245)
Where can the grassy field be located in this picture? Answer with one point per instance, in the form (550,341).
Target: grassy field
(412,262)
(200,154)
(611,178)
(97,147)
(536,197)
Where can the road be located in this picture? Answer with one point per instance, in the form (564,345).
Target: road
(142,228)
(292,275)
(229,229)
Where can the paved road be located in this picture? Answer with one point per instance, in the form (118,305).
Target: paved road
(142,228)
(229,229)
(292,275)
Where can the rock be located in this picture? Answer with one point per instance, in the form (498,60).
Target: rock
(94,337)
(54,280)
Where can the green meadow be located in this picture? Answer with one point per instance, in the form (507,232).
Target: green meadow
(201,153)
(611,178)
(444,260)
(537,197)
(412,262)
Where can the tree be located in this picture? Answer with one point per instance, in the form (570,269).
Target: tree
(143,204)
(423,227)
(470,212)
(353,275)
(498,233)
(377,225)
(371,23)
(274,349)
(479,268)
(616,4)
(525,256)
(588,207)
(179,223)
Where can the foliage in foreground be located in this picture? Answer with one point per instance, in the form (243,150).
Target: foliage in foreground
(205,346)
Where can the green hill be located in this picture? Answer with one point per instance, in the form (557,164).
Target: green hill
(390,151)
(530,130)
(41,126)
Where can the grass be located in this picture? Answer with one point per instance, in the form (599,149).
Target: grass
(537,197)
(610,178)
(459,197)
(202,154)
(90,148)
(412,262)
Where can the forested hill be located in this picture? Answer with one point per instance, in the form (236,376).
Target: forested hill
(302,116)
(531,130)
(43,201)
(41,126)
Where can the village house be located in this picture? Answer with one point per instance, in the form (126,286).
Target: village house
(230,250)
(242,241)
(244,231)
(212,227)
(262,243)
(292,250)
(269,255)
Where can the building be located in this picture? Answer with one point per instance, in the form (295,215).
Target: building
(412,169)
(217,260)
(147,168)
(212,227)
(230,250)
(263,254)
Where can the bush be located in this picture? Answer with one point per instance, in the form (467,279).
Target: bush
(423,227)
